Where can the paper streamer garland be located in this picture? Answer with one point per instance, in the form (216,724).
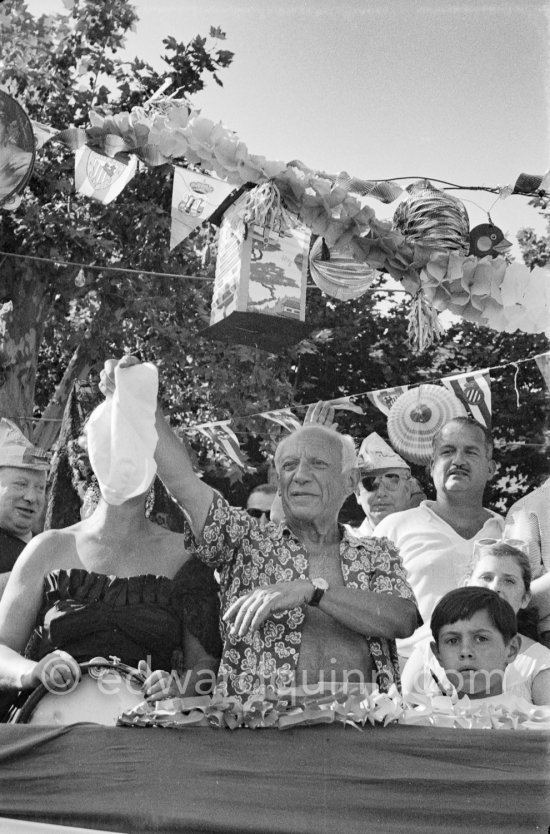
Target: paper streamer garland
(425,249)
(349,706)
(417,416)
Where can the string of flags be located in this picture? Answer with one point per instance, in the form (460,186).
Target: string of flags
(472,389)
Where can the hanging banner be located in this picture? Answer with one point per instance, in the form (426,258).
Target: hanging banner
(101,177)
(543,364)
(194,198)
(222,436)
(474,392)
(284,417)
(385,398)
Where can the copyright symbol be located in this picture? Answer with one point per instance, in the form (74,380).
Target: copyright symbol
(52,666)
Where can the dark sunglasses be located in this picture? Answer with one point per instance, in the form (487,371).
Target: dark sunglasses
(255,513)
(389,481)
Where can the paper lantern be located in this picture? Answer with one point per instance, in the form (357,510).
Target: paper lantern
(259,293)
(433,218)
(416,417)
(338,274)
(17,150)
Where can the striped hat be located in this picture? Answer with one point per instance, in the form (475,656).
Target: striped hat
(16,450)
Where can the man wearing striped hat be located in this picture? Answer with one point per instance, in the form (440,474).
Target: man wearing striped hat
(23,469)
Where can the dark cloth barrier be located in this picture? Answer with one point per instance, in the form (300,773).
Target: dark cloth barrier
(302,781)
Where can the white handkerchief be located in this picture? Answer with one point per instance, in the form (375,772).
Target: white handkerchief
(122,437)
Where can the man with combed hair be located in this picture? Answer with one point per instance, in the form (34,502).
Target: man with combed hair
(303,602)
(436,539)
(23,469)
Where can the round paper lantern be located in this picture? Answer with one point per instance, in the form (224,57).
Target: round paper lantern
(17,149)
(416,417)
(433,218)
(337,273)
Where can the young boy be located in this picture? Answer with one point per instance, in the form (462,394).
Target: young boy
(474,639)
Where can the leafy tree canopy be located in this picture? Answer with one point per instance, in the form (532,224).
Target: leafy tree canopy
(65,319)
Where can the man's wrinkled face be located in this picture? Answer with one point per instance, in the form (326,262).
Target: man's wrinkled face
(384,493)
(461,461)
(22,498)
(311,482)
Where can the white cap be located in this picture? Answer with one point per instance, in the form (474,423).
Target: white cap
(375,455)
(16,450)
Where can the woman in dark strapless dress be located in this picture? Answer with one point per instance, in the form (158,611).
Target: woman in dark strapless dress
(114,584)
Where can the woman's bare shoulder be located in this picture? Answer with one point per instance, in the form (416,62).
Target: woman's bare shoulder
(44,550)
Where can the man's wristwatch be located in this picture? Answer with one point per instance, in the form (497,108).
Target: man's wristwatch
(319,588)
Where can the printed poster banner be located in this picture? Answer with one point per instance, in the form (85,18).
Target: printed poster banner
(474,391)
(101,177)
(194,198)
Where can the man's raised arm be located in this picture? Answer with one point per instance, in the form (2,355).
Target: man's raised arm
(173,461)
(176,471)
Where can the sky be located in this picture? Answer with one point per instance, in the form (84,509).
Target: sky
(456,91)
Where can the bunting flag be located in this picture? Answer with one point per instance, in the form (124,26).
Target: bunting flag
(100,177)
(42,133)
(284,417)
(222,436)
(194,198)
(543,364)
(345,404)
(385,398)
(474,391)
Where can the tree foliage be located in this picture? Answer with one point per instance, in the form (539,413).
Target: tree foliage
(64,319)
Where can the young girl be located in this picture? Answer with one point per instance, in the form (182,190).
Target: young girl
(504,569)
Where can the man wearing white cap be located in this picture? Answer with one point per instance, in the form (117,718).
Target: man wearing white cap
(23,469)
(385,485)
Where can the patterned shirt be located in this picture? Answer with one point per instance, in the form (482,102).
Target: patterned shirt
(248,557)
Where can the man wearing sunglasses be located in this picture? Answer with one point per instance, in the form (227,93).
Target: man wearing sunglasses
(260,500)
(385,485)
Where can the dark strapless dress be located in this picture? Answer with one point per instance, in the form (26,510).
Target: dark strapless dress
(133,618)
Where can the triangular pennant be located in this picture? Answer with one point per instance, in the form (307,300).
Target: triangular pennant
(284,417)
(345,404)
(474,391)
(385,398)
(100,177)
(222,436)
(194,198)
(43,133)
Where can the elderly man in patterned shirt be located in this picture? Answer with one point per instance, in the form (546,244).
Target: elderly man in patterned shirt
(304,602)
